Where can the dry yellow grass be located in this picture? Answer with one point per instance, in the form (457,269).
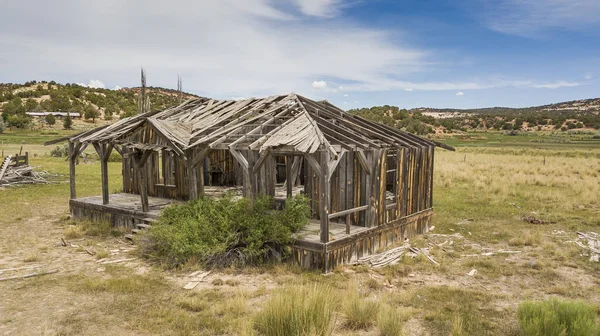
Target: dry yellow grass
(472,197)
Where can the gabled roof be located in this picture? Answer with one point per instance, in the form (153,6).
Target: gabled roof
(287,121)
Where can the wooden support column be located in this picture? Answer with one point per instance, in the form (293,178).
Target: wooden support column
(139,160)
(289,179)
(370,213)
(104,150)
(193,183)
(324,199)
(73,152)
(195,166)
(249,188)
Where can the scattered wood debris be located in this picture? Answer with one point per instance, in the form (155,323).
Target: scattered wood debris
(22,175)
(490,253)
(592,244)
(393,256)
(106,262)
(31,275)
(196,278)
(20,268)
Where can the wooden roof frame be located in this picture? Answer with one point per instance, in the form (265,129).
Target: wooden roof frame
(254,124)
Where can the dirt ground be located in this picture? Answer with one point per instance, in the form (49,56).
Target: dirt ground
(477,228)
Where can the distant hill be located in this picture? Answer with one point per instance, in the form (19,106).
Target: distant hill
(577,114)
(98,105)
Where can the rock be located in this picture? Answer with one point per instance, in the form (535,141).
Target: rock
(472,272)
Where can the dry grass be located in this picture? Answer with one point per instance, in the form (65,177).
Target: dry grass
(298,310)
(473,198)
(389,321)
(359,313)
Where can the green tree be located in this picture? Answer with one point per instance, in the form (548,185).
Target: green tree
(68,122)
(30,105)
(18,120)
(90,112)
(50,119)
(2,125)
(14,107)
(110,111)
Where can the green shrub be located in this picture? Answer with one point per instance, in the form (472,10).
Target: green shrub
(60,151)
(224,232)
(298,311)
(560,318)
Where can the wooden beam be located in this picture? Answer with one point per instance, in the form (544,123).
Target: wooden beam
(362,159)
(288,177)
(104,150)
(240,158)
(193,182)
(73,153)
(246,171)
(324,192)
(348,211)
(199,157)
(139,160)
(334,163)
(313,164)
(368,187)
(263,156)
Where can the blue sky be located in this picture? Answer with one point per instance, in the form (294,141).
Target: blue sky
(355,53)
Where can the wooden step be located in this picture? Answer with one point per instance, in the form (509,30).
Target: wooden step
(129,237)
(149,220)
(135,231)
(143,226)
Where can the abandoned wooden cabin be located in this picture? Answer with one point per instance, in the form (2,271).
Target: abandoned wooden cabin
(369,185)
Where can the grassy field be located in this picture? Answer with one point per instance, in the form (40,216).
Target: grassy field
(481,193)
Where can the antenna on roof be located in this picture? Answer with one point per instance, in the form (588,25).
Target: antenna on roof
(143,99)
(179,89)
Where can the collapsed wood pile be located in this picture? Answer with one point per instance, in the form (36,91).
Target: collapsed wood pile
(592,244)
(393,256)
(23,174)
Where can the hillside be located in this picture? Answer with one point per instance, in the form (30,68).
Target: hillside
(96,106)
(577,114)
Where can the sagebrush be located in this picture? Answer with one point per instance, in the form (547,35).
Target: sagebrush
(224,232)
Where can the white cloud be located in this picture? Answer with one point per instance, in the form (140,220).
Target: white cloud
(319,84)
(392,84)
(346,95)
(94,84)
(117,87)
(408,89)
(554,85)
(323,8)
(460,93)
(271,49)
(530,17)
(588,76)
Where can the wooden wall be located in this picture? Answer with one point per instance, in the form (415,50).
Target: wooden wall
(347,250)
(403,177)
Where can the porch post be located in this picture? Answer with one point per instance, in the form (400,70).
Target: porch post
(104,151)
(140,165)
(289,180)
(324,194)
(73,152)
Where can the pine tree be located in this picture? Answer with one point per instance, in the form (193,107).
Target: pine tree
(68,122)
